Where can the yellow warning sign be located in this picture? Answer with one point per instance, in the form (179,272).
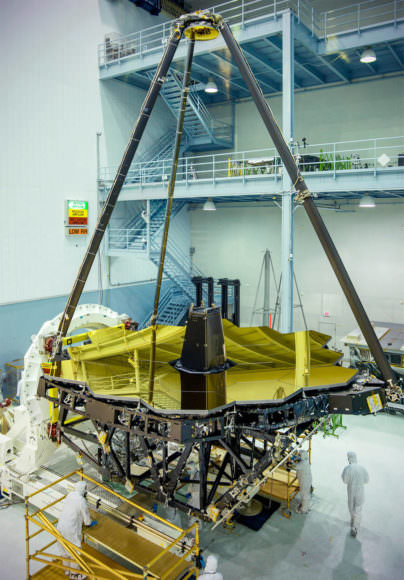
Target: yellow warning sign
(77,212)
(374,403)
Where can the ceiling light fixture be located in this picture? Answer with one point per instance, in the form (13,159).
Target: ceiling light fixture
(368,55)
(209,205)
(367,201)
(211,86)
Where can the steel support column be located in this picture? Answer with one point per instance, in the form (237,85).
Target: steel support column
(287,197)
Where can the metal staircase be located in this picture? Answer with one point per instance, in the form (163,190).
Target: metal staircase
(139,237)
(201,130)
(132,235)
(148,166)
(175,301)
(173,308)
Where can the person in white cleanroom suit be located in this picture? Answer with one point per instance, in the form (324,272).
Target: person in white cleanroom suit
(303,472)
(194,487)
(74,514)
(355,476)
(210,571)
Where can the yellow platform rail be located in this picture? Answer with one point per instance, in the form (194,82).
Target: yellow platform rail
(163,565)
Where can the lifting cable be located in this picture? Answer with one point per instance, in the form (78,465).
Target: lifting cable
(171,186)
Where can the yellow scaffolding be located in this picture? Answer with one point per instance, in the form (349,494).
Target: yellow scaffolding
(163,565)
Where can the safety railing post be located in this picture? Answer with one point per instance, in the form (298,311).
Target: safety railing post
(298,11)
(312,20)
(395,13)
(148,226)
(186,171)
(358,16)
(213,168)
(325,25)
(243,166)
(274,9)
(335,166)
(242,13)
(127,239)
(140,43)
(374,157)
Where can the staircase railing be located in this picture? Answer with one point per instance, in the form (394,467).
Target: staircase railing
(173,294)
(134,236)
(133,239)
(139,222)
(198,120)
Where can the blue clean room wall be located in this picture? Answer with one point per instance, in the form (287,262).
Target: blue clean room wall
(19,321)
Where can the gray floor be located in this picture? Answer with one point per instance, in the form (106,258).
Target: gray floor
(314,546)
(319,544)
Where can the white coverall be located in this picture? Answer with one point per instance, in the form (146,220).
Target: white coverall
(193,489)
(75,512)
(303,472)
(210,570)
(355,476)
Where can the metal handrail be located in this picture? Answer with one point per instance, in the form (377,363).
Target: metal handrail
(335,156)
(361,15)
(357,16)
(91,565)
(236,12)
(134,238)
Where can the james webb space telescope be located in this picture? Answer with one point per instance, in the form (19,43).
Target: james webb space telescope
(230,400)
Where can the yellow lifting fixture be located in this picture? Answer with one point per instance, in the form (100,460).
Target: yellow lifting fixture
(202,29)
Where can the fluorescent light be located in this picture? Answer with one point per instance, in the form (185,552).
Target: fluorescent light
(209,205)
(211,86)
(368,55)
(367,201)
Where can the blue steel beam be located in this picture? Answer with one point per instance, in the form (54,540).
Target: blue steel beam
(138,79)
(340,71)
(262,61)
(312,44)
(233,67)
(395,55)
(302,66)
(208,72)
(271,70)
